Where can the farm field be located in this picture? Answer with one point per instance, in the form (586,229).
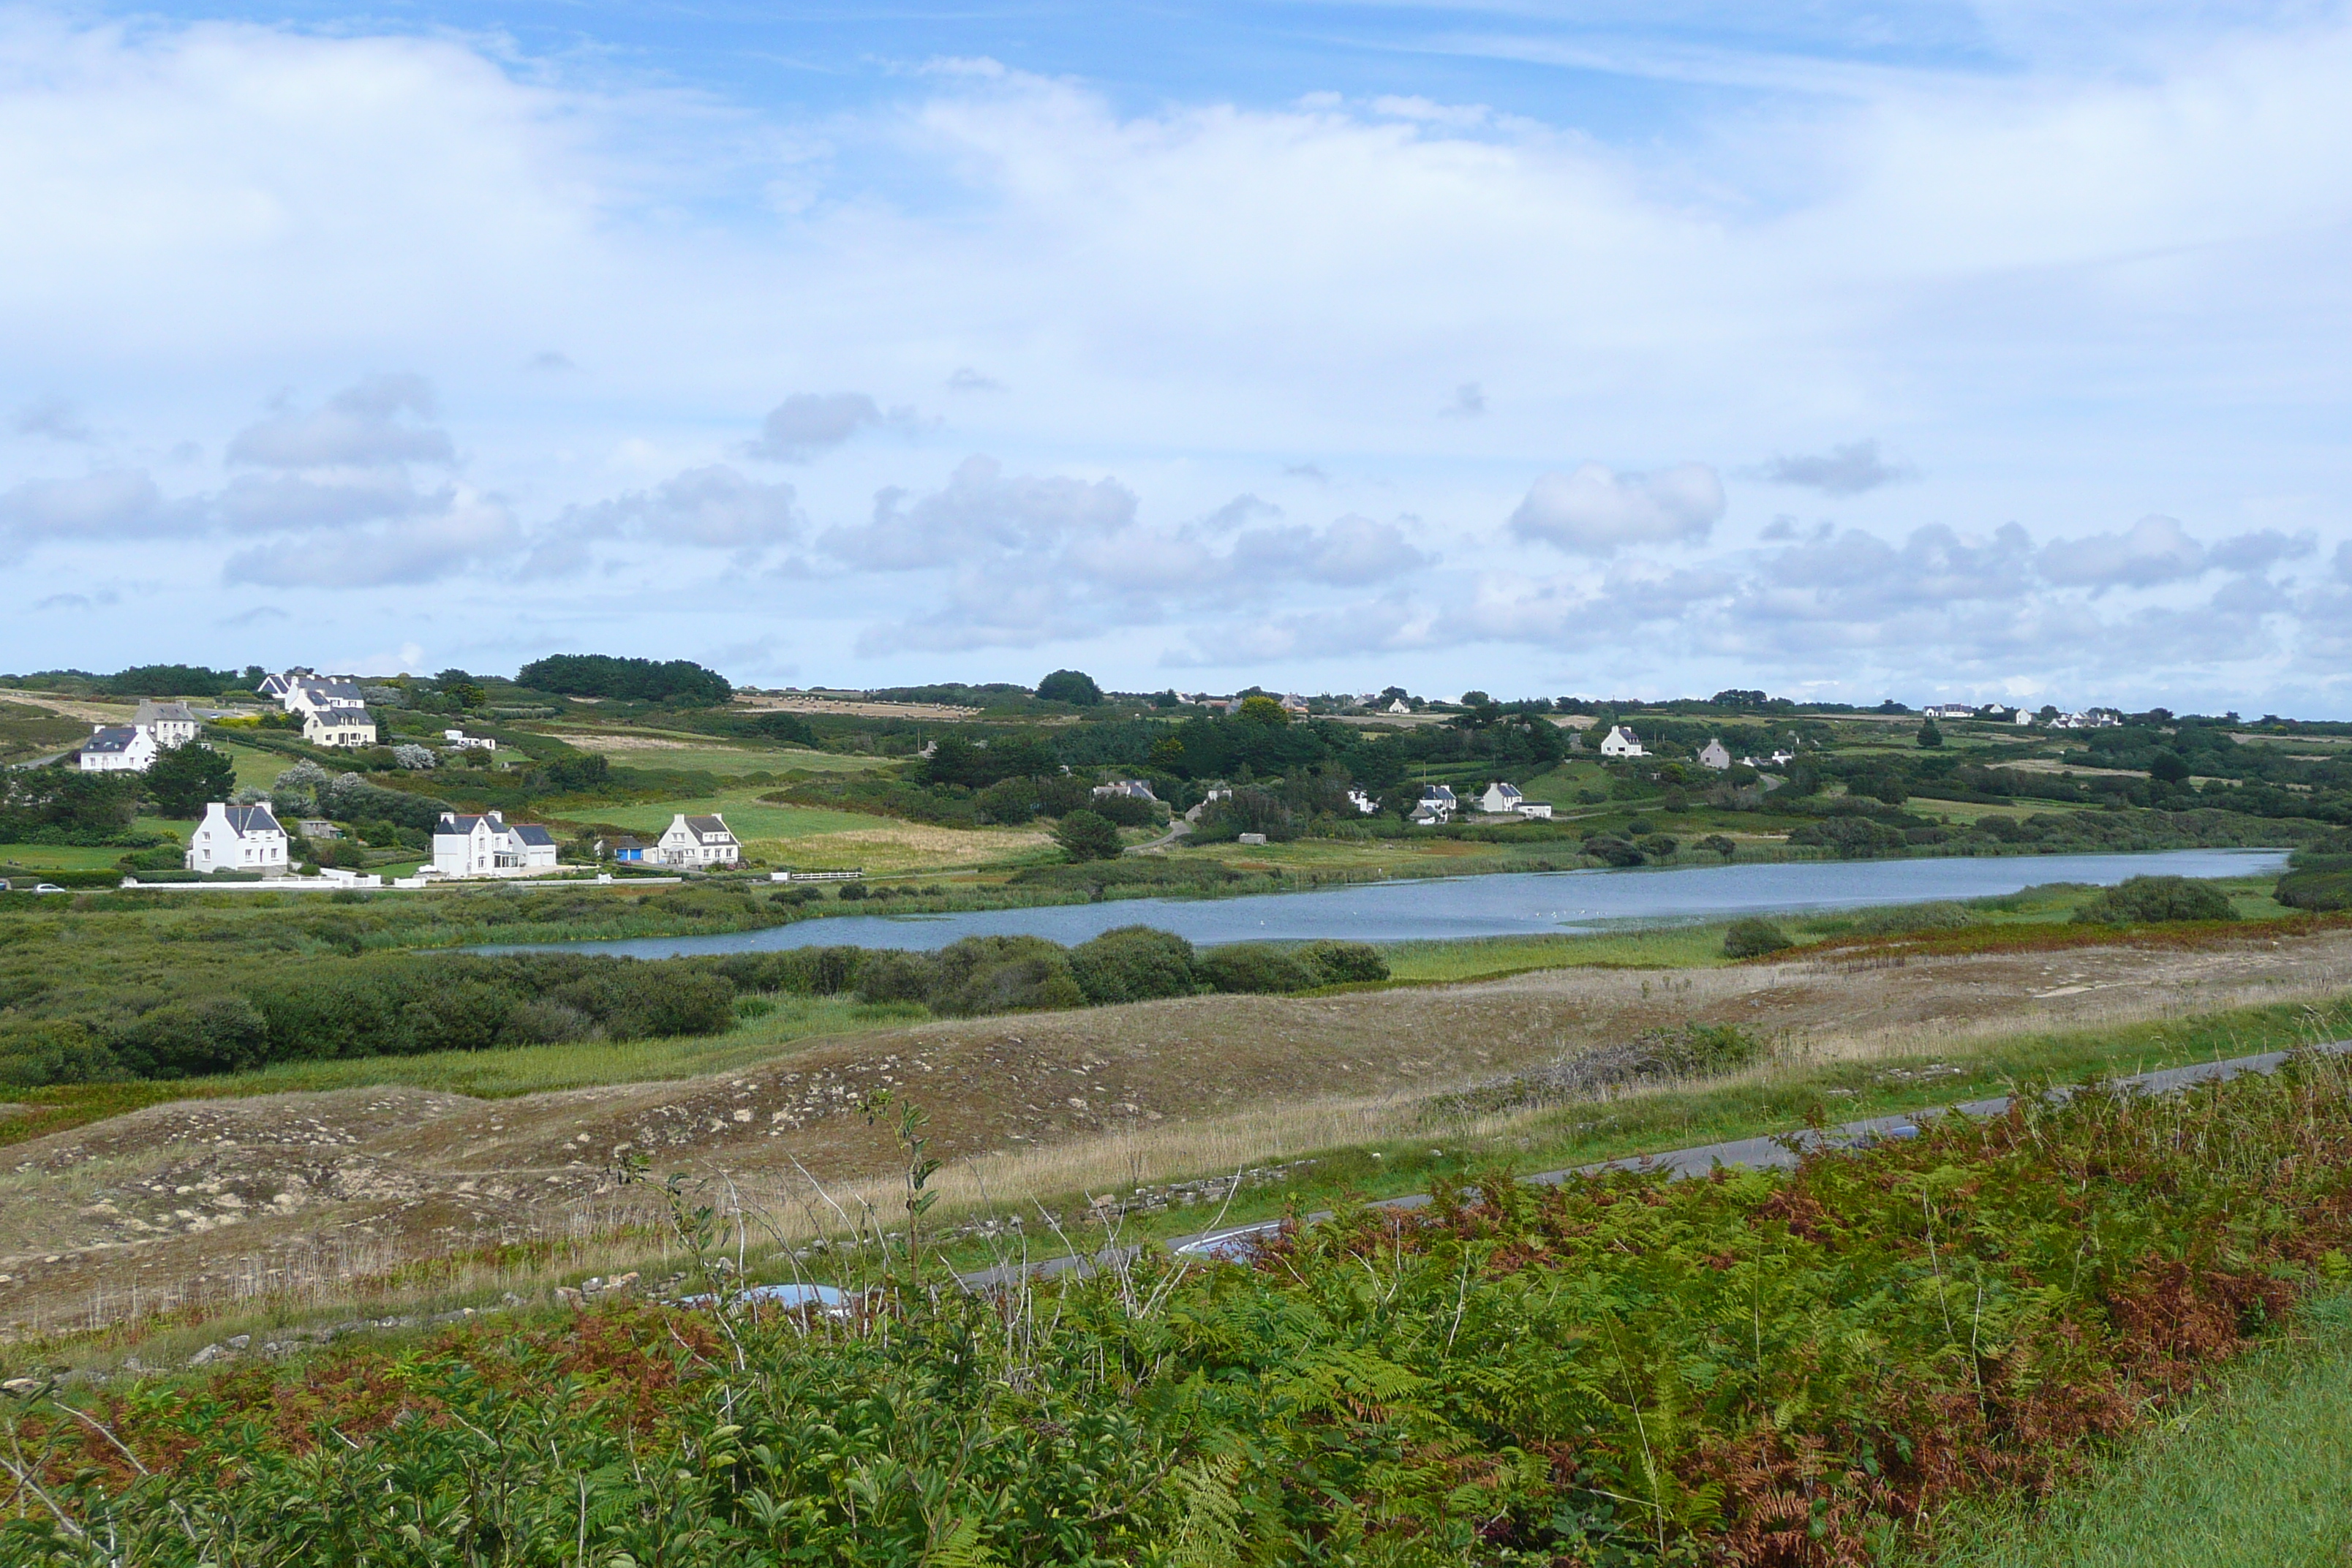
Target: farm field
(818,839)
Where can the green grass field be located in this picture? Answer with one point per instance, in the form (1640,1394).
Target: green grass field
(2257,1474)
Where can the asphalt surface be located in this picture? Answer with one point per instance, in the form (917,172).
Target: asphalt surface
(1771,1153)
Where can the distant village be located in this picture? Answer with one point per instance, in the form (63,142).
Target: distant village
(247,838)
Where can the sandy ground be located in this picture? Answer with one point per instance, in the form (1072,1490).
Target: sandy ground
(219,1198)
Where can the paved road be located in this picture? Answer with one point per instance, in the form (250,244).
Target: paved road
(1770,1152)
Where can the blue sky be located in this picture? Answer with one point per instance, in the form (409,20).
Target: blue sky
(1942,350)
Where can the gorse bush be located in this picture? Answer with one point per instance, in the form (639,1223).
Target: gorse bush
(1135,963)
(2149,899)
(1785,1369)
(1753,938)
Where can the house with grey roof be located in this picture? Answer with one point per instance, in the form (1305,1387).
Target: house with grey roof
(696,841)
(172,723)
(237,838)
(488,846)
(338,727)
(312,696)
(118,749)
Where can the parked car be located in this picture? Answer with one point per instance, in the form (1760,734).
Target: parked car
(46,888)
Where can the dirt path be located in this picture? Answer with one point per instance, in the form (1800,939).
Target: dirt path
(222,1197)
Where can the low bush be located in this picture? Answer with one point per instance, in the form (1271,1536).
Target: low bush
(1753,938)
(2144,901)
(1343,962)
(1256,967)
(1134,964)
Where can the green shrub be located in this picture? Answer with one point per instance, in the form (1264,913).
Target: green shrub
(1087,836)
(1134,964)
(1611,850)
(1127,811)
(188,1039)
(1752,938)
(2155,899)
(55,1050)
(1343,962)
(1001,974)
(1256,967)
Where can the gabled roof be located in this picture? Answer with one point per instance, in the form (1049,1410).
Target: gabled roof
(1508,790)
(531,833)
(707,827)
(454,827)
(248,821)
(113,737)
(344,717)
(152,712)
(344,690)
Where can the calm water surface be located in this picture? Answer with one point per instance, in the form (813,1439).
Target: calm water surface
(1518,904)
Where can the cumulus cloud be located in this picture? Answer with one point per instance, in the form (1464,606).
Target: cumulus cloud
(980,510)
(53,417)
(1846,470)
(809,423)
(360,426)
(2259,551)
(460,537)
(1595,512)
(715,506)
(1350,552)
(120,503)
(2153,550)
(294,503)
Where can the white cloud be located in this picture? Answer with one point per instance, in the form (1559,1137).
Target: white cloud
(1845,470)
(981,511)
(458,538)
(715,506)
(2153,550)
(1594,512)
(359,427)
(120,503)
(809,423)
(51,416)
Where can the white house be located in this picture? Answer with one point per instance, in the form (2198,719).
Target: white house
(1437,805)
(696,841)
(2023,717)
(170,723)
(1398,705)
(460,740)
(1365,805)
(1294,704)
(1620,742)
(1536,808)
(118,749)
(322,696)
(1134,789)
(1951,711)
(1499,798)
(236,838)
(1714,754)
(276,687)
(485,846)
(338,727)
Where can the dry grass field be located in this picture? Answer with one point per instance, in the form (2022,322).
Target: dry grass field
(284,1196)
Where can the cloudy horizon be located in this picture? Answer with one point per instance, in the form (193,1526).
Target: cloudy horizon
(1945,352)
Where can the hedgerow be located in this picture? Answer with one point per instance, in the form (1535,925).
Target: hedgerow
(1759,1368)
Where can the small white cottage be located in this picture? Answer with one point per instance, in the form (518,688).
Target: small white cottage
(1714,754)
(1500,798)
(118,749)
(1621,742)
(237,838)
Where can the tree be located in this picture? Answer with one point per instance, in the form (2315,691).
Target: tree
(1087,836)
(186,776)
(2169,766)
(628,680)
(1719,845)
(1929,735)
(1264,710)
(1072,686)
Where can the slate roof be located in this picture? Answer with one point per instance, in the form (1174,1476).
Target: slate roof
(531,833)
(113,737)
(709,827)
(342,718)
(248,821)
(451,826)
(154,712)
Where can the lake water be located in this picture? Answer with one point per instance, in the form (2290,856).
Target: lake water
(1517,904)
